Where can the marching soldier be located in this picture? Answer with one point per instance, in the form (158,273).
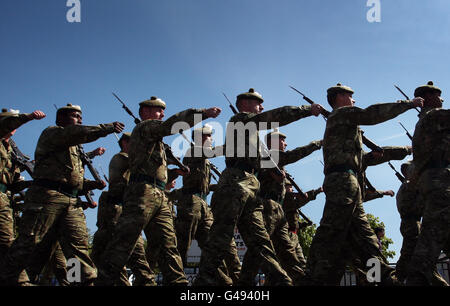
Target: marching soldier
(51,202)
(10,179)
(145,202)
(344,222)
(431,177)
(235,200)
(272,193)
(108,214)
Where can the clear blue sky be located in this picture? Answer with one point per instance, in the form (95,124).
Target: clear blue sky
(189,52)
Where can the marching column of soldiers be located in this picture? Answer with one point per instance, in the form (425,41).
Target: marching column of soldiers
(258,200)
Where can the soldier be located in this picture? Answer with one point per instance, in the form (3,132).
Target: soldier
(194,217)
(51,202)
(431,177)
(145,202)
(272,193)
(108,214)
(235,200)
(293,201)
(344,223)
(10,179)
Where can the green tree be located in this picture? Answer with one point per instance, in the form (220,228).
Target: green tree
(305,237)
(385,241)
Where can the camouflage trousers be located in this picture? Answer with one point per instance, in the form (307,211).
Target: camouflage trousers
(277,228)
(144,205)
(343,226)
(50,216)
(107,216)
(193,222)
(235,204)
(48,260)
(434,237)
(7,234)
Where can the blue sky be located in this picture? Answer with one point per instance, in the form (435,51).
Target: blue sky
(189,52)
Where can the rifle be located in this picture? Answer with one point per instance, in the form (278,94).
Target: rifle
(397,174)
(407,98)
(294,184)
(21,159)
(407,133)
(86,160)
(266,151)
(369,143)
(213,167)
(170,156)
(104,175)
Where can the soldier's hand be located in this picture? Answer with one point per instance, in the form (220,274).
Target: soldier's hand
(99,151)
(417,102)
(118,127)
(212,112)
(99,184)
(316,109)
(389,193)
(183,172)
(37,115)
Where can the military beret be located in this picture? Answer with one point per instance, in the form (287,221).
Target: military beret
(339,88)
(205,130)
(69,107)
(251,94)
(6,113)
(426,88)
(154,101)
(276,131)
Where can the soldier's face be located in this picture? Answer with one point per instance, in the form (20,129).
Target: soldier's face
(344,99)
(153,113)
(125,145)
(289,188)
(432,99)
(253,106)
(207,140)
(278,144)
(73,118)
(170,185)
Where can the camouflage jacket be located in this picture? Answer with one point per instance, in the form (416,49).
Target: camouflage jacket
(342,142)
(119,174)
(242,141)
(10,173)
(199,178)
(431,141)
(408,204)
(271,187)
(146,152)
(10,123)
(292,202)
(57,154)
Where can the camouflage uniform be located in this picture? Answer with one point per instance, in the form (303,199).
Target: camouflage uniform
(344,223)
(235,200)
(52,210)
(194,217)
(431,177)
(272,193)
(10,175)
(145,202)
(109,211)
(292,202)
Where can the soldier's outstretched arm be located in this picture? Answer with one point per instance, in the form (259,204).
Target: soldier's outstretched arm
(374,114)
(78,134)
(187,116)
(283,115)
(389,153)
(292,156)
(10,123)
